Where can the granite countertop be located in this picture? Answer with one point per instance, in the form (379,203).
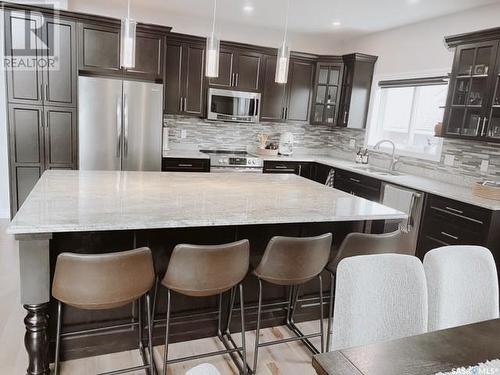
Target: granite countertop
(70,201)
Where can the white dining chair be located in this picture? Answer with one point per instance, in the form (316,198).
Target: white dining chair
(203,369)
(463,286)
(378,297)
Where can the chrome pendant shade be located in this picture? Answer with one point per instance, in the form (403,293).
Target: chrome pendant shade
(212,51)
(283,59)
(127,41)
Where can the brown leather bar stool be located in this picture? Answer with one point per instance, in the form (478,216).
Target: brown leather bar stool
(363,244)
(101,282)
(204,271)
(292,262)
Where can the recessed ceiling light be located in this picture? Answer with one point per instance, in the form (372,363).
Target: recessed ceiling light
(248,8)
(336,23)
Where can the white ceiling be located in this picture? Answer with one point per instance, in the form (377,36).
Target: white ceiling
(307,17)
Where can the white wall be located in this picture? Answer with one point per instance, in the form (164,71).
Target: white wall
(419,48)
(4,165)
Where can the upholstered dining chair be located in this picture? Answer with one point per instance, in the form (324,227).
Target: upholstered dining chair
(378,297)
(463,286)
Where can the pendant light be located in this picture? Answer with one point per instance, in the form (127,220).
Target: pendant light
(283,60)
(213,46)
(127,45)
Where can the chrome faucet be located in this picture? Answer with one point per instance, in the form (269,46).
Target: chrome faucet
(394,159)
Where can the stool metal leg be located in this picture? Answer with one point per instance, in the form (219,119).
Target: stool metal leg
(243,339)
(330,312)
(167,325)
(150,335)
(257,330)
(58,337)
(321,324)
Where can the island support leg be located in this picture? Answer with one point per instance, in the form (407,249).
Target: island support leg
(35,296)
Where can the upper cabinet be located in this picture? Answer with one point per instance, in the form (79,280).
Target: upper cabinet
(52,81)
(473,104)
(356,89)
(239,68)
(290,101)
(327,88)
(99,51)
(185,76)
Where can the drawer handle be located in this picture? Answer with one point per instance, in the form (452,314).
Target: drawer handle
(281,167)
(185,165)
(282,170)
(354,180)
(454,210)
(449,235)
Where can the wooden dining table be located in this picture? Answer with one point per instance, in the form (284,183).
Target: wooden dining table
(429,353)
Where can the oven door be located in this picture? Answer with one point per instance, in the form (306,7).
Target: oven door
(229,105)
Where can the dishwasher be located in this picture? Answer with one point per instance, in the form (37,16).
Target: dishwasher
(408,201)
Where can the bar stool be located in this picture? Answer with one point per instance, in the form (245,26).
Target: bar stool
(363,244)
(292,262)
(101,282)
(205,271)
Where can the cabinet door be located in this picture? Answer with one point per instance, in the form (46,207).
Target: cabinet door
(148,56)
(492,128)
(61,81)
(173,78)
(471,90)
(60,137)
(99,48)
(272,107)
(226,69)
(300,82)
(248,71)
(24,85)
(26,150)
(193,79)
(326,93)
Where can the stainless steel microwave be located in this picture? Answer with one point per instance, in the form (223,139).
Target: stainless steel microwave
(230,105)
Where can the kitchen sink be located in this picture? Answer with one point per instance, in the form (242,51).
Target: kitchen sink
(377,171)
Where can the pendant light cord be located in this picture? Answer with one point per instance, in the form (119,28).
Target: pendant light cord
(286,21)
(128,9)
(213,19)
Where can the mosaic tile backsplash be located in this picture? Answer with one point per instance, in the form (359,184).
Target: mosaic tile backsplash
(204,134)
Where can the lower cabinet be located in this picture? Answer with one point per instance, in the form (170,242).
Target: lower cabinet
(299,168)
(358,185)
(185,165)
(449,222)
(40,138)
(320,172)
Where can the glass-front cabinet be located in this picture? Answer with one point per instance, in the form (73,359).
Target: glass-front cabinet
(471,111)
(327,93)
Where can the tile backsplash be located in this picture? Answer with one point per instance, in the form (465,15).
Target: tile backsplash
(204,134)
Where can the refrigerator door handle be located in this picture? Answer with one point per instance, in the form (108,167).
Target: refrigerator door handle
(118,126)
(125,128)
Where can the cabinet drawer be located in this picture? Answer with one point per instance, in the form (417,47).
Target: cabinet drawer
(449,233)
(301,169)
(358,179)
(185,165)
(461,214)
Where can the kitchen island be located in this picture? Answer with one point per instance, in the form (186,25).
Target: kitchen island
(98,212)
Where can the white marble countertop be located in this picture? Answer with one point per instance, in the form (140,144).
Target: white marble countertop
(187,154)
(69,201)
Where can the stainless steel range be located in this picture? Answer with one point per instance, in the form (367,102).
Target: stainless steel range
(234,161)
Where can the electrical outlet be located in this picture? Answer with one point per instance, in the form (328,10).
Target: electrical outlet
(352,144)
(449,160)
(183,133)
(484,166)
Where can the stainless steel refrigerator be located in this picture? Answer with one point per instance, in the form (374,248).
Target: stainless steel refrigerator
(119,124)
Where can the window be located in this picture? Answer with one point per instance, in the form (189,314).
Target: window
(406,112)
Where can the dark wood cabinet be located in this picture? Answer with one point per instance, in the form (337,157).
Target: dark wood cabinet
(290,101)
(292,167)
(53,78)
(320,172)
(449,222)
(60,137)
(239,68)
(185,165)
(185,77)
(327,89)
(356,90)
(358,185)
(472,105)
(99,51)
